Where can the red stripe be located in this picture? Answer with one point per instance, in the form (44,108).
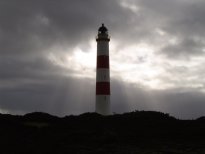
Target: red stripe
(103,88)
(102,61)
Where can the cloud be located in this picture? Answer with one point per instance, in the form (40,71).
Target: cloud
(185,48)
(61,96)
(183,25)
(33,26)
(47,51)
(56,95)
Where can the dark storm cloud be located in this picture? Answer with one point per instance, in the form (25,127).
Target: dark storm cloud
(28,26)
(183,20)
(181,103)
(29,29)
(60,96)
(25,67)
(57,95)
(185,48)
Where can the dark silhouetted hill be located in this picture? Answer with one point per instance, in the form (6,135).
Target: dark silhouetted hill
(138,132)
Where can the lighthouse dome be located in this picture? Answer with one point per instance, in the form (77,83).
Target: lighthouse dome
(102,29)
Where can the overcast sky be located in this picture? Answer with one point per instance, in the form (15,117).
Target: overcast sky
(48,55)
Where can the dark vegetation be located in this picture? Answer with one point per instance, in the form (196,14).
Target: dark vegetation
(129,133)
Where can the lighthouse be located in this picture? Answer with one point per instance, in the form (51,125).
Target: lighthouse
(102,105)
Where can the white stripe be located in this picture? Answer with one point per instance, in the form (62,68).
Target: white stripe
(103,48)
(103,75)
(102,104)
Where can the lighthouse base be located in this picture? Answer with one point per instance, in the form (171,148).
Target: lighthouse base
(103,104)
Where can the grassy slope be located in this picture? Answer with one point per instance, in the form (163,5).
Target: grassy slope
(135,132)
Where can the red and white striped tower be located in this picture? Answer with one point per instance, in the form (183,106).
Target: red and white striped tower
(103,72)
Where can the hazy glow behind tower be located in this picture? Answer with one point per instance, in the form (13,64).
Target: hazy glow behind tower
(103,72)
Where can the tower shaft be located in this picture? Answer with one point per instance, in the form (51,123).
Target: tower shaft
(103,72)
